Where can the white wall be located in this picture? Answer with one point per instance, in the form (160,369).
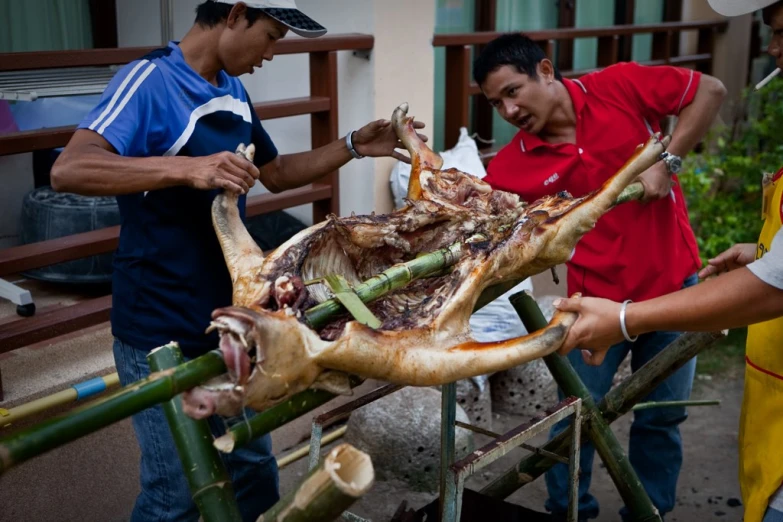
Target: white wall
(287,76)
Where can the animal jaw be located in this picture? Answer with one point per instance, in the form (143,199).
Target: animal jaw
(271,350)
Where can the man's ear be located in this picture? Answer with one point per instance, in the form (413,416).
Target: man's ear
(546,70)
(237,13)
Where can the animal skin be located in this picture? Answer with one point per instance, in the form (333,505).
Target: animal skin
(424,338)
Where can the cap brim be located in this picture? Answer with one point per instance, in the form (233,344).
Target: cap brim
(297,21)
(738,8)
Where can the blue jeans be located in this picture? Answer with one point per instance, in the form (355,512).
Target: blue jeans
(165,494)
(655,446)
(772,515)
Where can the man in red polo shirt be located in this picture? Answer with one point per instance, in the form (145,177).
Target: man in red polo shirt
(573,136)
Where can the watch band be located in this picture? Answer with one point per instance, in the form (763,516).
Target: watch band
(350,146)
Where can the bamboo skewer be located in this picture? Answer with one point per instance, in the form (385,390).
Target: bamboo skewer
(342,477)
(127,401)
(165,385)
(210,484)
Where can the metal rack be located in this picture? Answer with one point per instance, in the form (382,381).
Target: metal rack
(49,83)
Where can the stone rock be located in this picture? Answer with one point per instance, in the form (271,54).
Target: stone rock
(401,433)
(474,396)
(525,390)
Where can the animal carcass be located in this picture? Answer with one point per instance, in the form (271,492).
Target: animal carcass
(422,337)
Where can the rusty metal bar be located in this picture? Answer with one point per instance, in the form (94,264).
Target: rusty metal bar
(525,445)
(457,473)
(342,412)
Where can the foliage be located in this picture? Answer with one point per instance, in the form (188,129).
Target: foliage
(722,183)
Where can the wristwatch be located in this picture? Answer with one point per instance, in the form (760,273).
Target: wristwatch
(672,161)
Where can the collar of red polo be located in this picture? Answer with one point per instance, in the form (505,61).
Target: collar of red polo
(577,91)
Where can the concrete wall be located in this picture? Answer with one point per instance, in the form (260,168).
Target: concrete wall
(731,49)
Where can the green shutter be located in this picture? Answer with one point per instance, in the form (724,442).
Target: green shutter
(647,12)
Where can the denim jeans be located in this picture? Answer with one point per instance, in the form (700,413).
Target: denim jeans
(772,515)
(165,494)
(655,446)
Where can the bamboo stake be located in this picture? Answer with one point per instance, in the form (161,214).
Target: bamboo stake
(344,475)
(664,404)
(632,192)
(156,388)
(606,444)
(614,405)
(209,482)
(390,279)
(271,419)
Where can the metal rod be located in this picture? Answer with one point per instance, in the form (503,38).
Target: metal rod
(606,444)
(664,404)
(339,413)
(448,416)
(525,445)
(305,450)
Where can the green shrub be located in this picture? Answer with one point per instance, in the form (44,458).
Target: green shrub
(722,183)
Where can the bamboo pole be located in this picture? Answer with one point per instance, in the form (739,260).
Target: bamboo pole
(615,404)
(74,393)
(606,444)
(266,421)
(344,475)
(632,192)
(156,388)
(209,482)
(664,404)
(390,279)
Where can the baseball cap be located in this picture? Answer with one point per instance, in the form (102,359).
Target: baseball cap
(739,7)
(285,12)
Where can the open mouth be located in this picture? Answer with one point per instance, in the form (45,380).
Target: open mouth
(238,345)
(524,122)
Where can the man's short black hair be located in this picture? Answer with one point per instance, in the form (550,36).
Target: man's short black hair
(515,49)
(210,14)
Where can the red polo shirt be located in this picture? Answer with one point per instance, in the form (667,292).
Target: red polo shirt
(635,251)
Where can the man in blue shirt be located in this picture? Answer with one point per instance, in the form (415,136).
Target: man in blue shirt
(162,140)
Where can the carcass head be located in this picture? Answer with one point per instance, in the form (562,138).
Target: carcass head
(278,341)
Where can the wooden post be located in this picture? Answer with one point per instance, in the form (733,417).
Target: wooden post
(608,49)
(706,45)
(457,95)
(565,49)
(323,125)
(662,46)
(486,14)
(672,12)
(623,15)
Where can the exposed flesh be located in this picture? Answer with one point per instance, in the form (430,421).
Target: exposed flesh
(424,339)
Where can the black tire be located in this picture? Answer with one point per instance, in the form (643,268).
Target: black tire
(47,214)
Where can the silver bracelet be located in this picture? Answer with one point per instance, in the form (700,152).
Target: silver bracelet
(622,322)
(351,149)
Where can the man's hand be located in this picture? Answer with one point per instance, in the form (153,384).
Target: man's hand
(378,138)
(656,181)
(737,256)
(596,329)
(224,170)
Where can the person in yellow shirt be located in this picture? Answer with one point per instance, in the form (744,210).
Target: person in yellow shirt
(748,291)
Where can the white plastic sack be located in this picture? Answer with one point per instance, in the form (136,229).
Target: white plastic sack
(497,321)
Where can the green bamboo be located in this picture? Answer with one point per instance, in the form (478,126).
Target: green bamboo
(344,293)
(341,478)
(614,405)
(209,482)
(127,401)
(632,192)
(265,422)
(666,404)
(394,277)
(606,444)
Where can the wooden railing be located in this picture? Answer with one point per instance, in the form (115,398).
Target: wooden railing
(461,87)
(321,105)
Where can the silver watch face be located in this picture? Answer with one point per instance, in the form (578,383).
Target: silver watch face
(673,162)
